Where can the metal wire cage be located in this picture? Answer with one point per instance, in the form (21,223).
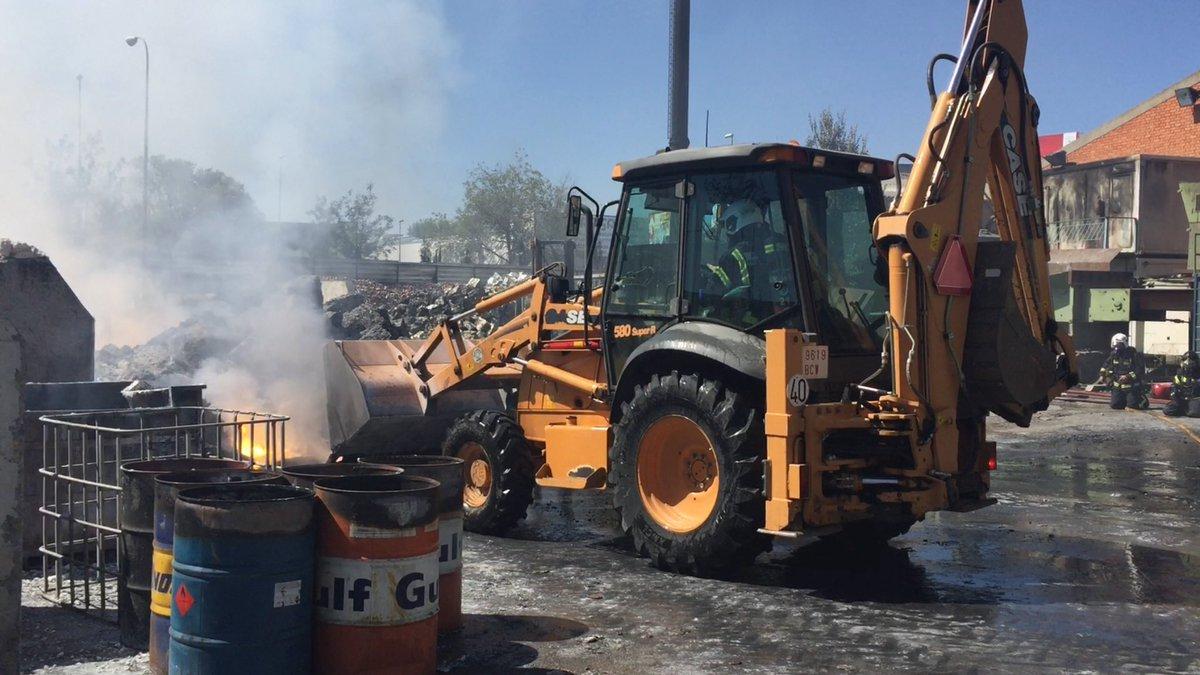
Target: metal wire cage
(82,453)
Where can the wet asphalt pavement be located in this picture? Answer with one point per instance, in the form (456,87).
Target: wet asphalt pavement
(1090,562)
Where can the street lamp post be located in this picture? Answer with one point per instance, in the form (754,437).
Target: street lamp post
(279,192)
(131,41)
(79,154)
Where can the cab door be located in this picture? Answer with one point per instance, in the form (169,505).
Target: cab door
(642,296)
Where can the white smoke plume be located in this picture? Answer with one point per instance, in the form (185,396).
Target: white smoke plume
(337,95)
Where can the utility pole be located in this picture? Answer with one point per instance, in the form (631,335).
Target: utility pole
(79,130)
(279,193)
(706,127)
(79,153)
(131,41)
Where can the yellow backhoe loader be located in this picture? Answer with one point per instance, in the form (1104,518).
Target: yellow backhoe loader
(772,351)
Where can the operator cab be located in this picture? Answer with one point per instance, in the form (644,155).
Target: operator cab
(748,238)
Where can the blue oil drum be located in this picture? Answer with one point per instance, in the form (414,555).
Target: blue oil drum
(243,580)
(166,487)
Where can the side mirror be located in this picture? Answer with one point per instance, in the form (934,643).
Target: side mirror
(574,214)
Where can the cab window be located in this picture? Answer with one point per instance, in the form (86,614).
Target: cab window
(646,253)
(739,266)
(836,221)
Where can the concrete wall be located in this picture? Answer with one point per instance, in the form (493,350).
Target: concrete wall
(11,462)
(1165,338)
(58,344)
(1095,203)
(58,333)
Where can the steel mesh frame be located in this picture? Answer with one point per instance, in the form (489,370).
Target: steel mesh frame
(81,496)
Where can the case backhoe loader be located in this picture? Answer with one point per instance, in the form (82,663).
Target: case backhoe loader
(772,351)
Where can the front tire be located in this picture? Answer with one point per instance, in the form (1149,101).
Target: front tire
(499,465)
(686,474)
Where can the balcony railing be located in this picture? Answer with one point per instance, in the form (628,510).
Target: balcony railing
(1092,233)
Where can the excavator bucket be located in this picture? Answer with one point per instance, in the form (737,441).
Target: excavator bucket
(1007,370)
(374,404)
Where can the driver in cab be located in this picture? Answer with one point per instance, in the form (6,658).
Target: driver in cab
(752,271)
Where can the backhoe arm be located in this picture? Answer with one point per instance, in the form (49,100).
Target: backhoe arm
(972,323)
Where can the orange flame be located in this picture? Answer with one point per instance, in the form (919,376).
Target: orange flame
(251,446)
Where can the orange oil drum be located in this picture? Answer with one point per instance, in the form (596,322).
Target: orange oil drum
(376,602)
(449,472)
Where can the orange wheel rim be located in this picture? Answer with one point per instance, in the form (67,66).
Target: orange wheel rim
(677,474)
(478,486)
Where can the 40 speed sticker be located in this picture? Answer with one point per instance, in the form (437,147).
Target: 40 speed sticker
(378,592)
(797,391)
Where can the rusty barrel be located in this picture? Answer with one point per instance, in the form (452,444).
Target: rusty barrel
(243,571)
(137,537)
(377,575)
(303,475)
(166,488)
(449,473)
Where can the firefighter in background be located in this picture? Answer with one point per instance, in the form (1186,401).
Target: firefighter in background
(1183,389)
(1124,373)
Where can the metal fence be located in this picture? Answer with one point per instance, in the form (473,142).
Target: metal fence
(81,458)
(1092,233)
(391,271)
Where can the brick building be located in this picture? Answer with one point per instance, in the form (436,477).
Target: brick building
(1157,126)
(1122,203)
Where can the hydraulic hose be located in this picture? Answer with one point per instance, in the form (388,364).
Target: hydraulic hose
(929,75)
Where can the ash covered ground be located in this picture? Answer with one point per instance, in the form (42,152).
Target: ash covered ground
(1090,562)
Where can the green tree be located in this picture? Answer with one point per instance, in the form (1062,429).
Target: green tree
(831,131)
(355,230)
(193,212)
(504,207)
(439,236)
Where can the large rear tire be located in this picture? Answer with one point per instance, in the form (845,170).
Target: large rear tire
(686,474)
(499,465)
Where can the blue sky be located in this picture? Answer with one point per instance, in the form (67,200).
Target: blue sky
(411,94)
(581,85)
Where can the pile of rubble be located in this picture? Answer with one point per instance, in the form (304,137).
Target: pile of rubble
(370,311)
(374,311)
(179,350)
(217,331)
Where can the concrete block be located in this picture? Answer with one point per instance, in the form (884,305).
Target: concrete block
(332,289)
(58,344)
(11,472)
(57,332)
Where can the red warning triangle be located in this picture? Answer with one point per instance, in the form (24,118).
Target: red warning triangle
(953,273)
(183,600)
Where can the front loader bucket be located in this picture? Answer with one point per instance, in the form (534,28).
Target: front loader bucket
(374,406)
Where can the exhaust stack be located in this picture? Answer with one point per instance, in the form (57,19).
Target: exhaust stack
(677,75)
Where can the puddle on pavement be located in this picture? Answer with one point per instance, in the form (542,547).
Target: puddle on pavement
(989,566)
(968,563)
